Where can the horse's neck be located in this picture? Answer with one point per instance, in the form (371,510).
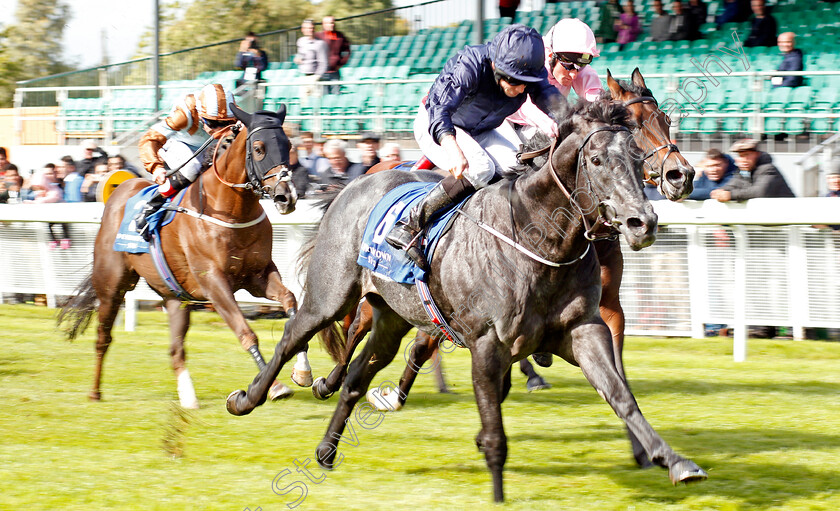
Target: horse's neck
(545,216)
(222,200)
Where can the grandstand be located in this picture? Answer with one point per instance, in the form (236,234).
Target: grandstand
(386,78)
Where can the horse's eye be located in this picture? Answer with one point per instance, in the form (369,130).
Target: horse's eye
(595,160)
(259,150)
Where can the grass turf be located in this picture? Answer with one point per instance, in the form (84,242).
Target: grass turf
(766,429)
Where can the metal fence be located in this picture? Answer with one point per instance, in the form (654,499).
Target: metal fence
(754,263)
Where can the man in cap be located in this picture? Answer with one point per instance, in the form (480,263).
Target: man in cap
(368,147)
(758,177)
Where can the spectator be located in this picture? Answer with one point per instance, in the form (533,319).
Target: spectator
(4,159)
(390,152)
(792,61)
(92,154)
(315,163)
(10,185)
(682,28)
(92,180)
(604,27)
(341,170)
(717,170)
(45,189)
(832,183)
(734,11)
(300,175)
(311,57)
(660,26)
(117,162)
(368,147)
(507,8)
(72,180)
(758,177)
(699,12)
(832,179)
(250,58)
(763,29)
(338,52)
(627,24)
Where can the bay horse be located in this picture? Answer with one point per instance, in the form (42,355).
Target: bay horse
(664,167)
(222,245)
(508,306)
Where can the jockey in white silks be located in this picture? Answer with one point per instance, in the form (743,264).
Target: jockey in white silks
(570,47)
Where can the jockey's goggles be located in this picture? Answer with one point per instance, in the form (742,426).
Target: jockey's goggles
(216,124)
(572,61)
(502,76)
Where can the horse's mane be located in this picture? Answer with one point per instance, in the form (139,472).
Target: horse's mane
(601,110)
(635,89)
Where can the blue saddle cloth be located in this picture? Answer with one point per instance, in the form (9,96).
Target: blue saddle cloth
(389,262)
(128,239)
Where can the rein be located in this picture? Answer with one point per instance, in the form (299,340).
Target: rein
(589,229)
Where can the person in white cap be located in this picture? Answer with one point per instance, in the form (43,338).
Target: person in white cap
(570,47)
(172,142)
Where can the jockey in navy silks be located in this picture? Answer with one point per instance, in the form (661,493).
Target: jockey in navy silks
(460,126)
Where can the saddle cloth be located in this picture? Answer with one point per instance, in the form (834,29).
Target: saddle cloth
(389,262)
(128,239)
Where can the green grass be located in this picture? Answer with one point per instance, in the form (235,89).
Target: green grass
(767,430)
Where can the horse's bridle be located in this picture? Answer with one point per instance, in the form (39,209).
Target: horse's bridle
(589,233)
(672,148)
(255,182)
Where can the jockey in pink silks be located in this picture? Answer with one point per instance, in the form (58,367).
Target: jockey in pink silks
(569,49)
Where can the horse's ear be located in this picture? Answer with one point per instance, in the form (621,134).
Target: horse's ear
(638,79)
(281,112)
(614,86)
(240,114)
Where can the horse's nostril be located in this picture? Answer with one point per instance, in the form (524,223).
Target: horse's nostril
(281,198)
(635,223)
(674,176)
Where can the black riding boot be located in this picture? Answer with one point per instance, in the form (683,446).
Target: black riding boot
(141,220)
(405,235)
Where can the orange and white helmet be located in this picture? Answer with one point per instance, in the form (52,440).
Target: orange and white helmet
(574,39)
(212,103)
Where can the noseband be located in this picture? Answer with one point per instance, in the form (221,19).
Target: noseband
(653,173)
(582,169)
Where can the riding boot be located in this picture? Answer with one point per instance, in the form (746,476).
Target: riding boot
(406,235)
(141,220)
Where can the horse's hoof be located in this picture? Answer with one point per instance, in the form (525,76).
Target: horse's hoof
(230,402)
(319,389)
(280,391)
(94,396)
(188,404)
(325,454)
(543,359)
(384,400)
(686,471)
(302,378)
(537,383)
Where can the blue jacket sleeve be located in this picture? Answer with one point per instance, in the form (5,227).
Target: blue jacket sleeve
(447,94)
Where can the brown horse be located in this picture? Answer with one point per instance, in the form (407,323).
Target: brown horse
(665,168)
(221,245)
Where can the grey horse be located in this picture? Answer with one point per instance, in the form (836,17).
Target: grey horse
(537,292)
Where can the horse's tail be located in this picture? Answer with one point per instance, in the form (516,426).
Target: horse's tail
(334,341)
(79,309)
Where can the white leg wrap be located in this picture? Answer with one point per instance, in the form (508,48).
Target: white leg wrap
(302,363)
(186,392)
